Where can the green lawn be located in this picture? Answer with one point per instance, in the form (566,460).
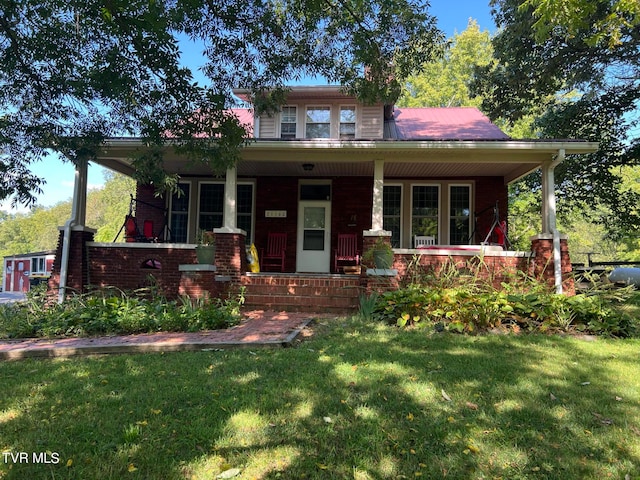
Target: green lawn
(358,400)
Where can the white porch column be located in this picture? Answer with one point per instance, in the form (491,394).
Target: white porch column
(229,218)
(548,198)
(549,225)
(79,205)
(378,188)
(230,198)
(76,221)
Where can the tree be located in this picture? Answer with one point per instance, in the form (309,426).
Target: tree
(575,65)
(38,229)
(445,82)
(73,72)
(107,207)
(607,22)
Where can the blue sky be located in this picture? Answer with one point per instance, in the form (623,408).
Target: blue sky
(452,15)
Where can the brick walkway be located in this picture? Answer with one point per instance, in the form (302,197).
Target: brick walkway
(258,329)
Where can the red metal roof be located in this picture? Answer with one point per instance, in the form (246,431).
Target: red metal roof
(244,115)
(451,123)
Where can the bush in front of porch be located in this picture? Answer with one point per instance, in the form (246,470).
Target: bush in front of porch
(465,301)
(114,312)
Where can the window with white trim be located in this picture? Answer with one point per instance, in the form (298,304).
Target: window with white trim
(37,265)
(459,214)
(348,122)
(392,212)
(211,207)
(288,122)
(179,214)
(318,122)
(425,211)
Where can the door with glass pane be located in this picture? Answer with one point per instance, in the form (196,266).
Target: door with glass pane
(314,236)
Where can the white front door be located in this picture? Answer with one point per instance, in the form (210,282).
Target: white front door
(314,236)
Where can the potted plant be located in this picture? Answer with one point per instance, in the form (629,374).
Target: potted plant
(206,247)
(379,254)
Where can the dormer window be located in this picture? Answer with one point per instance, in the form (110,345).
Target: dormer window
(318,122)
(288,122)
(347,123)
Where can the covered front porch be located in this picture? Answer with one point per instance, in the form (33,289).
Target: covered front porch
(314,191)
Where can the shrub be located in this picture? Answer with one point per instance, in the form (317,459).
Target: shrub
(113,312)
(465,302)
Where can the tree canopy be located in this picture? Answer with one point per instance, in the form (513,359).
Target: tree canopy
(73,72)
(576,65)
(37,230)
(445,81)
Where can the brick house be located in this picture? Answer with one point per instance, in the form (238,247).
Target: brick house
(325,166)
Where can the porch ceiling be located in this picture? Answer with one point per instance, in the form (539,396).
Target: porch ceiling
(391,169)
(508,159)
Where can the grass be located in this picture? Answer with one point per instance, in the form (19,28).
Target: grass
(358,401)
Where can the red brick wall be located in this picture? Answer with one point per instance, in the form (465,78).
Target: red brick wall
(231,257)
(123,267)
(201,285)
(494,268)
(350,210)
(542,265)
(277,193)
(77,271)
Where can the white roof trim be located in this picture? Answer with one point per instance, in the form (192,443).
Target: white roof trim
(571,147)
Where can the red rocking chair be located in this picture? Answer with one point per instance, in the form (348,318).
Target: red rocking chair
(274,254)
(347,250)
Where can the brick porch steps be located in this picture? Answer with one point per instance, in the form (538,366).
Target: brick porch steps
(302,292)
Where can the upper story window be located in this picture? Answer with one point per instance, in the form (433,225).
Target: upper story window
(347,122)
(288,122)
(318,122)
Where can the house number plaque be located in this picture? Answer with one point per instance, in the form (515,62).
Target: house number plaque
(275,213)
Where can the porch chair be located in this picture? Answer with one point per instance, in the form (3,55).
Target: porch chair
(421,241)
(274,255)
(347,250)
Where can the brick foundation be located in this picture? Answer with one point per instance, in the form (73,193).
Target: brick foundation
(542,264)
(302,293)
(201,281)
(493,268)
(131,266)
(77,270)
(231,255)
